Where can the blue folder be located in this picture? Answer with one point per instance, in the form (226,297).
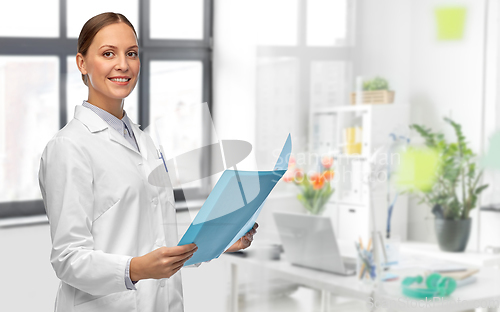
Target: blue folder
(232,208)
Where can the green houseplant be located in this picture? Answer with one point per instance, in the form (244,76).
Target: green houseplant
(456,188)
(375,91)
(377,83)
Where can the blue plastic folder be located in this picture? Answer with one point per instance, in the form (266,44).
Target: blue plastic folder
(232,208)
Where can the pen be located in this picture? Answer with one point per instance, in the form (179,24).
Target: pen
(366,264)
(162,159)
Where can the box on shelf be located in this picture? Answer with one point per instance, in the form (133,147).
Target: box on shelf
(375,97)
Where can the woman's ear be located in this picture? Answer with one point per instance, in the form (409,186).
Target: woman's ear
(80,62)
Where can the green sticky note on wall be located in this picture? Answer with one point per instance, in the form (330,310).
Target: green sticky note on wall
(450,23)
(418,169)
(492,157)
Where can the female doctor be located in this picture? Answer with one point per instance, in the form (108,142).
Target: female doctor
(114,235)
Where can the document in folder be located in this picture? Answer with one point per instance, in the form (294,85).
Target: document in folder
(232,208)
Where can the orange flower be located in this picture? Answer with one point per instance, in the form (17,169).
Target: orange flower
(318,185)
(327,162)
(317,181)
(328,175)
(314,177)
(288,177)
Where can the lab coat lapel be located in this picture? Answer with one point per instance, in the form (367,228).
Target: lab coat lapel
(118,138)
(95,124)
(141,140)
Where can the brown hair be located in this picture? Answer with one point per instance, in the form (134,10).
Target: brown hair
(92,27)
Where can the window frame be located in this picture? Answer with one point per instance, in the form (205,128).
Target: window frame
(150,50)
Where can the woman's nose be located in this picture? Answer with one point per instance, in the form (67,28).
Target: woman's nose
(122,64)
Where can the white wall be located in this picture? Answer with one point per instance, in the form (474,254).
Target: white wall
(398,41)
(383,43)
(446,80)
(28,280)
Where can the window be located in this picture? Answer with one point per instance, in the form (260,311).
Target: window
(40,83)
(303,62)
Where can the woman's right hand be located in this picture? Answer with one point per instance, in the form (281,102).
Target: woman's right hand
(161,263)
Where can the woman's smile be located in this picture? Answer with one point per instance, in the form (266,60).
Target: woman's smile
(120,80)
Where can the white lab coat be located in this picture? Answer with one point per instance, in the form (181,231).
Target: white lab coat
(102,211)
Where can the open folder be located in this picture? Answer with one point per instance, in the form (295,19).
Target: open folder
(232,208)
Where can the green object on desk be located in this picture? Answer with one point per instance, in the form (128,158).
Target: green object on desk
(437,286)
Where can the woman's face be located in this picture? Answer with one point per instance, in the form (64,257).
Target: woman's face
(112,63)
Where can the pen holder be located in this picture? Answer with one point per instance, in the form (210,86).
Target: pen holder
(365,266)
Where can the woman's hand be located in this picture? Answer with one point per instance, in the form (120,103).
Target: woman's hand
(160,263)
(245,241)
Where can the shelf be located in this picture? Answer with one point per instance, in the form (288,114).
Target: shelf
(340,109)
(351,203)
(352,108)
(356,157)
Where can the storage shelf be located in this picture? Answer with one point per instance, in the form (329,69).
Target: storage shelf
(350,204)
(351,108)
(345,156)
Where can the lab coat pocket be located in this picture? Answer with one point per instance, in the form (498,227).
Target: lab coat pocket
(116,302)
(98,214)
(157,173)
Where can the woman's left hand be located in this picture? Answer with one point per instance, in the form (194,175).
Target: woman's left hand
(245,241)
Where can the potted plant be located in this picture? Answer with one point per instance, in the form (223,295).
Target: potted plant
(315,188)
(456,187)
(375,91)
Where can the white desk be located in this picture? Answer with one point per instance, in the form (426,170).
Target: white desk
(472,258)
(487,287)
(483,292)
(426,250)
(347,286)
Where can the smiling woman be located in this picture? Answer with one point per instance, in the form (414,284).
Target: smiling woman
(108,58)
(114,235)
(92,173)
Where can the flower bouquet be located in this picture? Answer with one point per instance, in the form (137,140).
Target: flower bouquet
(315,187)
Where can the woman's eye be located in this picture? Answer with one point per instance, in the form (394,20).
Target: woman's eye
(132,54)
(107,54)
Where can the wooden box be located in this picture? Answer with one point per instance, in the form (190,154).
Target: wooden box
(375,97)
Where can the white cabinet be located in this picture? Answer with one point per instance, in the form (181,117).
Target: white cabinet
(353,222)
(349,206)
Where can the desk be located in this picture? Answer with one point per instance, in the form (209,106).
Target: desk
(487,287)
(472,258)
(484,292)
(427,250)
(347,286)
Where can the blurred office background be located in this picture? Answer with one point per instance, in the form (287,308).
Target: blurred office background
(262,67)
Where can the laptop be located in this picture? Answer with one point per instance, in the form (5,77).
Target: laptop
(309,241)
